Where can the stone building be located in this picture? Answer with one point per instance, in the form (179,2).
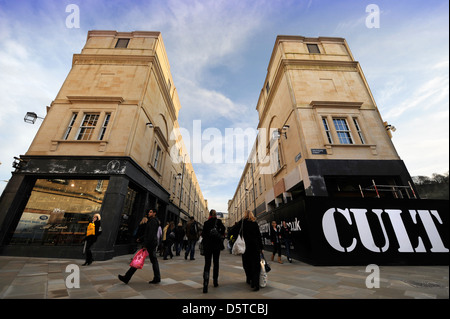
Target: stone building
(324,163)
(320,132)
(109,144)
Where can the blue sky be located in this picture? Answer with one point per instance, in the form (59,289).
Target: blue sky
(219,52)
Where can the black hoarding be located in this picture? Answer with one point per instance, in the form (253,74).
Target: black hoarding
(327,231)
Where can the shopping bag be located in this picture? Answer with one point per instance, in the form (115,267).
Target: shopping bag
(263,274)
(239,246)
(139,258)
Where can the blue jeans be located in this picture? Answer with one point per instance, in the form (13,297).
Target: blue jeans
(190,248)
(287,243)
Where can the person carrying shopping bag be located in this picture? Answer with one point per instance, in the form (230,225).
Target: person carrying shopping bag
(150,242)
(251,258)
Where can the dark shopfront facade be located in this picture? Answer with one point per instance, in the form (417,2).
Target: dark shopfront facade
(363,231)
(46,206)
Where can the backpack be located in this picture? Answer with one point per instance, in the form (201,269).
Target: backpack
(214,233)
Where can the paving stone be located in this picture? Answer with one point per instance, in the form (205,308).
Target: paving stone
(45,278)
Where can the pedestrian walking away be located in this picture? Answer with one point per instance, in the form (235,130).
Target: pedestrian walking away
(179,235)
(251,258)
(212,238)
(169,235)
(192,236)
(94,230)
(150,243)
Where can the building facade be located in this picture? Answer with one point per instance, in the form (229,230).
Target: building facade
(109,144)
(320,136)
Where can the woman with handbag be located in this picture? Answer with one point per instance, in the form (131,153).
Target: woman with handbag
(251,258)
(212,241)
(93,231)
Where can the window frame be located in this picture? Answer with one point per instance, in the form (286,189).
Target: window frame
(91,128)
(71,125)
(313,45)
(119,44)
(104,126)
(343,131)
(327,130)
(358,130)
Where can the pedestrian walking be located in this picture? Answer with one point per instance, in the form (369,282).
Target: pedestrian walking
(92,233)
(179,235)
(192,235)
(253,248)
(287,238)
(170,238)
(150,243)
(275,238)
(212,237)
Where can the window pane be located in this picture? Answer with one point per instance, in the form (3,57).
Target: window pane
(342,131)
(69,128)
(87,127)
(313,48)
(327,130)
(105,124)
(122,43)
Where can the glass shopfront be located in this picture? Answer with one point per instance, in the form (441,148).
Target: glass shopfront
(58,212)
(128,217)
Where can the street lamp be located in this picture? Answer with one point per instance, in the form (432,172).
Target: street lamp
(31,117)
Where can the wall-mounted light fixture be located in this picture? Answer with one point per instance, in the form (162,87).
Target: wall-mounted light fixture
(31,117)
(390,127)
(18,162)
(276,134)
(284,130)
(149,124)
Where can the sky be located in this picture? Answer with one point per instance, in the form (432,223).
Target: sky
(219,51)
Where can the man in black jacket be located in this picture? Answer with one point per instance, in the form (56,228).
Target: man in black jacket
(150,243)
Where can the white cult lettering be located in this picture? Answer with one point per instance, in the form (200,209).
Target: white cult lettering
(331,233)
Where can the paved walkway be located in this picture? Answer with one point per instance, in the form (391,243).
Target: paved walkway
(45,278)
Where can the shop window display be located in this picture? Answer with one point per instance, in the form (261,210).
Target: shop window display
(58,212)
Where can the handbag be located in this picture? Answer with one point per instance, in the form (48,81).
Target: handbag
(239,244)
(139,258)
(266,264)
(90,229)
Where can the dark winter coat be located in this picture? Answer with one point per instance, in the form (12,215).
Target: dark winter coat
(151,234)
(210,243)
(252,235)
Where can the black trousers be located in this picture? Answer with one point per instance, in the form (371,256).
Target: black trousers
(214,255)
(277,249)
(155,265)
(252,267)
(89,242)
